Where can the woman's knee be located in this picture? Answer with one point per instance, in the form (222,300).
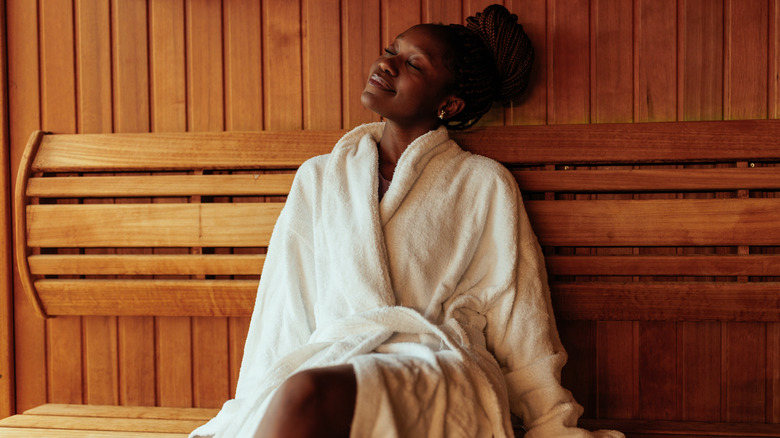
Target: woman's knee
(321,399)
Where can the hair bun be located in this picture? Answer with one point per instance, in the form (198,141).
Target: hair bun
(510,46)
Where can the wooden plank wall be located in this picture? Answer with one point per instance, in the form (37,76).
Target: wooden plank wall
(175,65)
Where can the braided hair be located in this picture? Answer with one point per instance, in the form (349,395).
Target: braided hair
(491,61)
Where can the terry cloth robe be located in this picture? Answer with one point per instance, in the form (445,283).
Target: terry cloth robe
(437,296)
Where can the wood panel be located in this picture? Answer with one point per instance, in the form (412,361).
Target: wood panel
(246,65)
(93,100)
(210,382)
(131,106)
(24,98)
(6,243)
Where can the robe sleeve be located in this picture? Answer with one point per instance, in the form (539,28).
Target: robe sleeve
(283,317)
(520,327)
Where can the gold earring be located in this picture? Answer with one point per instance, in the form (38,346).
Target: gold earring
(442,114)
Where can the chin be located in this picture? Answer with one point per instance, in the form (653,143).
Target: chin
(367,99)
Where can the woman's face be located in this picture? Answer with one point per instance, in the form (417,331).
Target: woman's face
(410,82)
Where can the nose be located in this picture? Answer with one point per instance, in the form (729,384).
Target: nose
(387,66)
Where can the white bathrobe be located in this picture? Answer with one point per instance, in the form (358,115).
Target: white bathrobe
(437,295)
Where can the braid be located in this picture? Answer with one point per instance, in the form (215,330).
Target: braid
(491,61)
(510,45)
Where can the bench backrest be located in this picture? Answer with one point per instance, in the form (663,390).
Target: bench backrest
(672,221)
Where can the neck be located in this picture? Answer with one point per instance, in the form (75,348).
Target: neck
(395,139)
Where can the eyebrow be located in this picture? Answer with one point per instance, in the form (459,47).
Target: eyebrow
(417,48)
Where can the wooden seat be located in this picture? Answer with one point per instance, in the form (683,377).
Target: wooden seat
(104,421)
(638,222)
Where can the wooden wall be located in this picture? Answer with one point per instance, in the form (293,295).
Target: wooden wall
(176,65)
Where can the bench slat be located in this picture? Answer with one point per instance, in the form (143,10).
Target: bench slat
(148,297)
(102,424)
(684,428)
(666,301)
(252,264)
(147,264)
(160,185)
(732,140)
(22,432)
(705,222)
(651,180)
(689,222)
(633,301)
(152,225)
(108,411)
(671,265)
(656,180)
(181,151)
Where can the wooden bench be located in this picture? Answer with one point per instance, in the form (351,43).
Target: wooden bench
(639,222)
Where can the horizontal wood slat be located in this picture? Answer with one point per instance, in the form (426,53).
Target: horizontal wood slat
(667,301)
(705,222)
(107,411)
(160,185)
(651,180)
(626,142)
(147,264)
(24,432)
(181,151)
(148,297)
(691,301)
(656,180)
(252,264)
(151,225)
(91,423)
(683,428)
(689,222)
(671,265)
(598,143)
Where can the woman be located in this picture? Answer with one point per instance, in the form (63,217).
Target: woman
(404,292)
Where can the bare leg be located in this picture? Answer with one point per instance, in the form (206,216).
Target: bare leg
(319,402)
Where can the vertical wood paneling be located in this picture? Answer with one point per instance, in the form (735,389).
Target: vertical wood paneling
(168,86)
(773,373)
(655,75)
(655,99)
(24,98)
(611,101)
(745,69)
(612,61)
(205,91)
(131,66)
(700,367)
(361,45)
(701,37)
(745,88)
(282,65)
(210,361)
(568,78)
(657,392)
(744,373)
(93,101)
(58,105)
(321,64)
(442,11)
(132,114)
(243,70)
(6,245)
(174,65)
(531,108)
(398,16)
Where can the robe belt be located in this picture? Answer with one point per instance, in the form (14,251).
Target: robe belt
(391,320)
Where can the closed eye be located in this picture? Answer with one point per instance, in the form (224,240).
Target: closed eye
(389,52)
(413,66)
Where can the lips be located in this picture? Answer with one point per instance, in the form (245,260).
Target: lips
(378,82)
